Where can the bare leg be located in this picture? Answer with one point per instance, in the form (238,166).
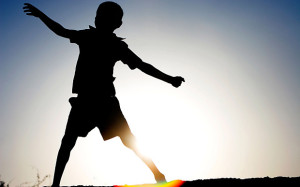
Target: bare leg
(67,144)
(130,142)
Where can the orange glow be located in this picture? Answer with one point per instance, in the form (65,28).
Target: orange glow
(174,183)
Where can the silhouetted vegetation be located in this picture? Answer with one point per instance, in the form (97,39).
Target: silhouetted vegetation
(2,183)
(38,182)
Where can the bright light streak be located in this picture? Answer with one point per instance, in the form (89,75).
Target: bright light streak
(174,183)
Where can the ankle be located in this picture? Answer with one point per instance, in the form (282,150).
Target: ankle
(159,177)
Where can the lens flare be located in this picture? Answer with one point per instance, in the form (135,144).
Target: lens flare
(174,183)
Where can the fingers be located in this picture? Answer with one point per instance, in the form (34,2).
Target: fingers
(27,10)
(178,81)
(30,10)
(181,79)
(177,84)
(27,6)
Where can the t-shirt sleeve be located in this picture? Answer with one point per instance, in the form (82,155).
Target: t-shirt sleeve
(128,57)
(76,36)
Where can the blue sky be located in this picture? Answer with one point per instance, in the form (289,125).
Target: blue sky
(237,115)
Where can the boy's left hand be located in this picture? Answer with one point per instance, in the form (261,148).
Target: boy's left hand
(176,81)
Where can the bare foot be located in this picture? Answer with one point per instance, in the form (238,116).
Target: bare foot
(160,178)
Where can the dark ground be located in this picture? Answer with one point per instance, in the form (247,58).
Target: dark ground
(253,182)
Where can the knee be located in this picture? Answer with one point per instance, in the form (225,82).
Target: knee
(129,141)
(68,142)
(127,144)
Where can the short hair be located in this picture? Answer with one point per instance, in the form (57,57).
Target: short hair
(109,8)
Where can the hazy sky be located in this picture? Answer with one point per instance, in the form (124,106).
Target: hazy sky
(237,114)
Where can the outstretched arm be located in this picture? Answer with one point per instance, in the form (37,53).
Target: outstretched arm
(52,25)
(152,71)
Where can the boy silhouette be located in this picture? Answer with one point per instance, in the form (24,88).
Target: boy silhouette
(96,104)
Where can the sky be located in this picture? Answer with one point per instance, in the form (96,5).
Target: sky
(237,114)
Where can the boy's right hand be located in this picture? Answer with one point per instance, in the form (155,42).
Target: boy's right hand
(176,81)
(31,10)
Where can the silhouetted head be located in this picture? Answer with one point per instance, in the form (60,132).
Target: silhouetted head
(109,16)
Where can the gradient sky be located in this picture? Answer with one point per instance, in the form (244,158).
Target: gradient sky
(237,114)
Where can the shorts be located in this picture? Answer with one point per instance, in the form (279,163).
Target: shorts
(104,113)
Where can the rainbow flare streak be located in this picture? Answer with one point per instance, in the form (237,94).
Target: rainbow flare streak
(174,183)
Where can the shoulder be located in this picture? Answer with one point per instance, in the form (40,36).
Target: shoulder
(123,44)
(119,43)
(84,32)
(119,40)
(79,35)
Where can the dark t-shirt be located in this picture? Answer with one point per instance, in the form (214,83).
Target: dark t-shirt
(98,53)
